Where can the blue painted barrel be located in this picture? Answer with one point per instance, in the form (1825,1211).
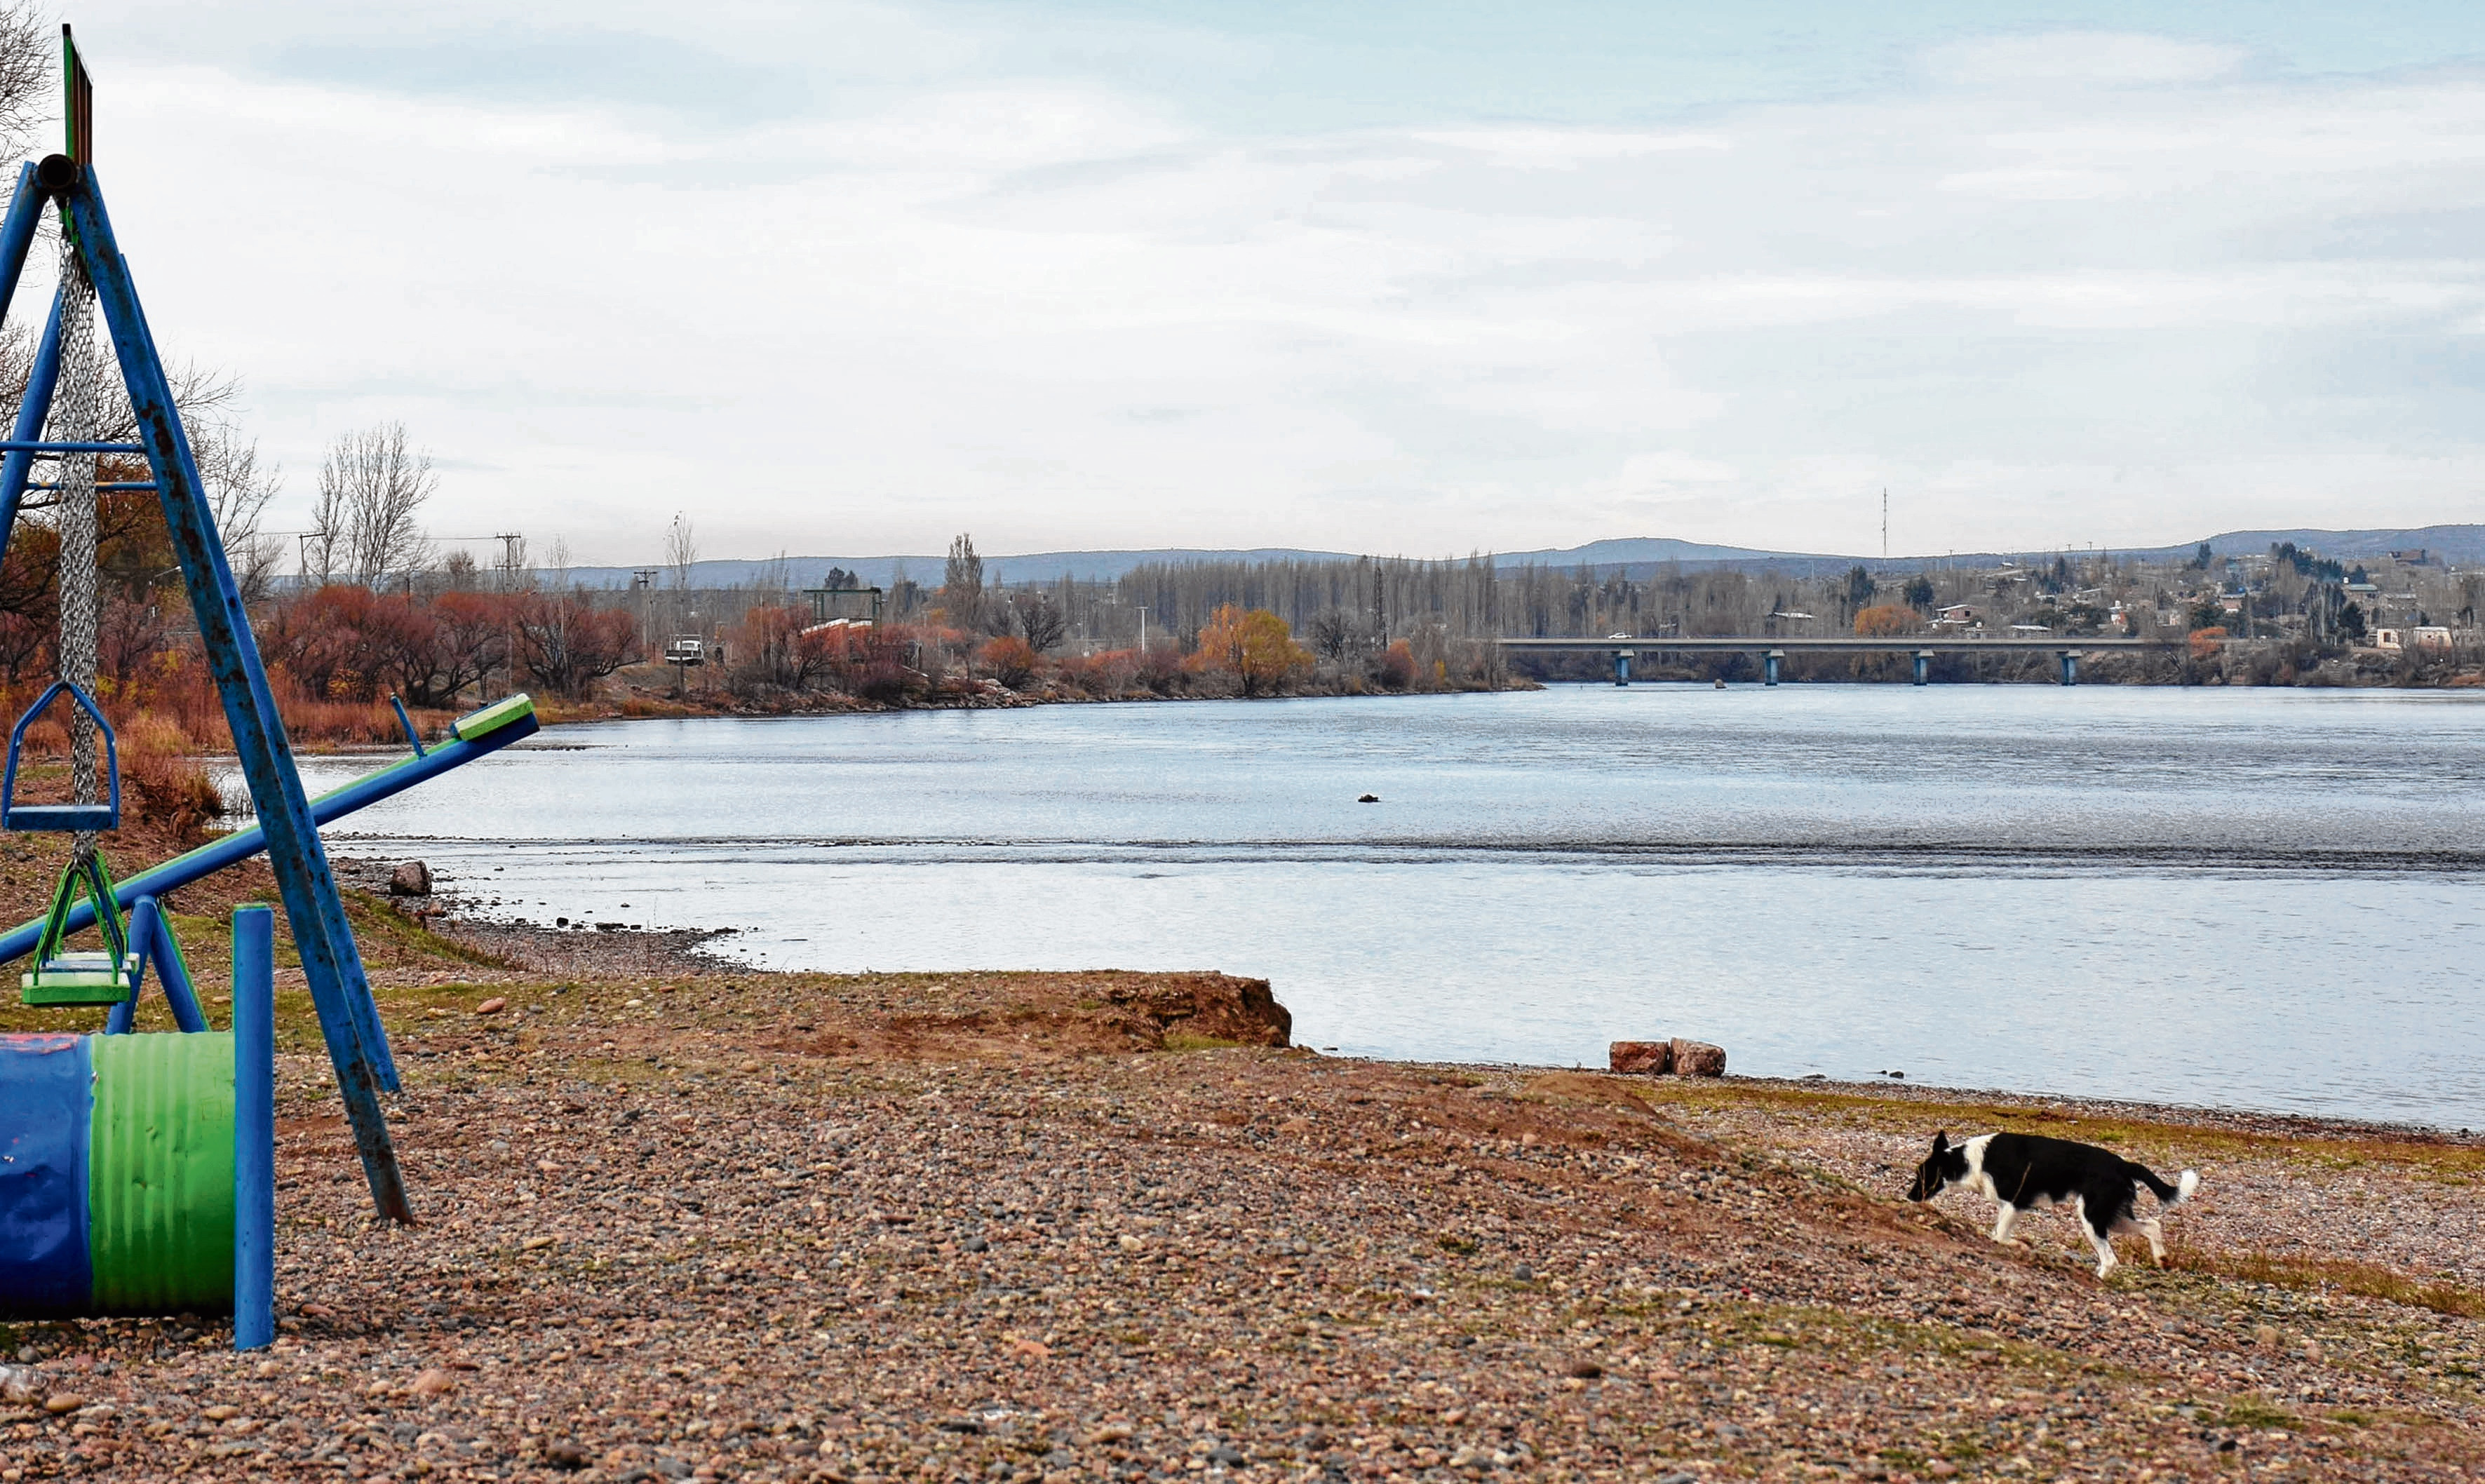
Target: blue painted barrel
(115,1173)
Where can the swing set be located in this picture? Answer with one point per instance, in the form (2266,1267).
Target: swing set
(59,422)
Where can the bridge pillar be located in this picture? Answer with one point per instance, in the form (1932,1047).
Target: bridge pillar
(1924,667)
(2070,667)
(1622,667)
(1770,666)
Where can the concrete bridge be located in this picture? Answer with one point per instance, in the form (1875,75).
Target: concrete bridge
(1923,647)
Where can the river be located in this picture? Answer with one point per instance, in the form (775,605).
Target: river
(2227,897)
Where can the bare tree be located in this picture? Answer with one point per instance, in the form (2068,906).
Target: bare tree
(29,59)
(1041,620)
(681,551)
(372,486)
(238,492)
(962,585)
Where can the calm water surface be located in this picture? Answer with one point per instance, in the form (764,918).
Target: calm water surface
(2263,898)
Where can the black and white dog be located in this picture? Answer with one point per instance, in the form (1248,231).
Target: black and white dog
(2025,1171)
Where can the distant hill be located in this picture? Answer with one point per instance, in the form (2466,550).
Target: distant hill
(2451,546)
(1633,556)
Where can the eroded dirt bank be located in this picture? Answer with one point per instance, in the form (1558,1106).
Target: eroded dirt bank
(679,1222)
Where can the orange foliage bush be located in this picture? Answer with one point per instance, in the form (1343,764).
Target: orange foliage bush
(1255,647)
(1885,619)
(1398,666)
(2206,643)
(1012,660)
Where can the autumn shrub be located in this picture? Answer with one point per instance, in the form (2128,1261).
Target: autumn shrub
(1397,666)
(1886,620)
(1255,649)
(163,783)
(2206,643)
(1160,671)
(1009,659)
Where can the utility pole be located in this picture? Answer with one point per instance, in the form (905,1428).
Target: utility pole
(1885,522)
(509,540)
(1143,629)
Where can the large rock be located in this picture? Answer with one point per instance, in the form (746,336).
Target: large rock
(1646,1058)
(1698,1058)
(411,878)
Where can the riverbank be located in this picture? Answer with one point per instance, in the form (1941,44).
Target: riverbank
(680,1218)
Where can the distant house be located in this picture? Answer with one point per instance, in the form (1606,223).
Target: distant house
(1959,616)
(2413,557)
(2428,635)
(2030,628)
(2361,589)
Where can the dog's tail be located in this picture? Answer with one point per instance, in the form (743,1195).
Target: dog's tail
(2173,1195)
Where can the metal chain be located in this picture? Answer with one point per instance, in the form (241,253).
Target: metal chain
(74,420)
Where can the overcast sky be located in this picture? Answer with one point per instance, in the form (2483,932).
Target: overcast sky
(1404,277)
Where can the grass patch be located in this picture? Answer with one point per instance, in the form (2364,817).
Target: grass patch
(2159,1141)
(2253,1412)
(1184,1041)
(2343,1274)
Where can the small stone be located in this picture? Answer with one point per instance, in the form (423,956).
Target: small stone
(567,1456)
(1942,1468)
(1584,1370)
(1228,1454)
(411,878)
(62,1402)
(975,1245)
(1110,1432)
(1698,1058)
(1524,1272)
(1030,1349)
(492,1006)
(536,1244)
(1643,1058)
(434,1381)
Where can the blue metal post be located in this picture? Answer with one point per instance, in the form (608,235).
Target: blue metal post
(150,938)
(413,738)
(41,379)
(2070,667)
(348,1019)
(254,1022)
(1769,662)
(17,233)
(1622,667)
(1924,667)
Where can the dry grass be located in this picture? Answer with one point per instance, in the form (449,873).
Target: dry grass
(2338,1275)
(2138,1137)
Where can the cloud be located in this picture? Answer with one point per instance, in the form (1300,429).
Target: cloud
(923,287)
(2080,58)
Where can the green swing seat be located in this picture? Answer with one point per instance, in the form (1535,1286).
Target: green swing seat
(59,975)
(81,976)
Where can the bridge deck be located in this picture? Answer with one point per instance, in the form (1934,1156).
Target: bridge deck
(1744,643)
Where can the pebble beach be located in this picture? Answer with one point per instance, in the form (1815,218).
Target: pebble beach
(684,1220)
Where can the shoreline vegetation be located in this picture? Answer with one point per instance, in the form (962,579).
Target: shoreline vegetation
(445,639)
(682,1217)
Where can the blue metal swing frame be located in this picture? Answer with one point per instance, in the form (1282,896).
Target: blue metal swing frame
(349,1019)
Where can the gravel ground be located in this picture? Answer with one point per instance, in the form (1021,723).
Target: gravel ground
(680,1221)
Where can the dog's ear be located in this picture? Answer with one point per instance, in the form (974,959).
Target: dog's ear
(1941,1141)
